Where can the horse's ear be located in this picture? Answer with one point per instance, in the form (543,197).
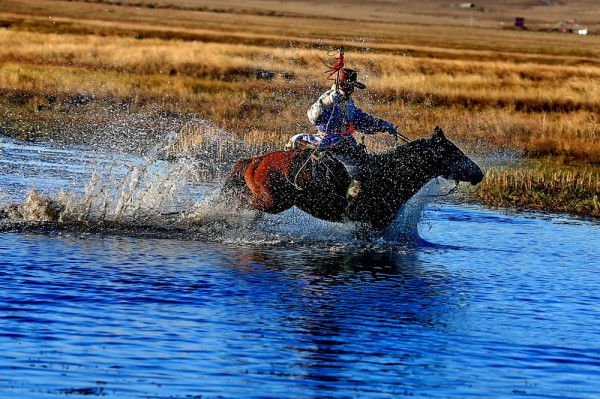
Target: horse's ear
(438,134)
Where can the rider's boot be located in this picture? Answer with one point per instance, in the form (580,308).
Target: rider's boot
(352,196)
(359,174)
(353,189)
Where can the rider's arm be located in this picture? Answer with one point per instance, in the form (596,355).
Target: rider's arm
(369,124)
(322,108)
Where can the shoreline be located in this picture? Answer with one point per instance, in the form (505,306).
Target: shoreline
(505,189)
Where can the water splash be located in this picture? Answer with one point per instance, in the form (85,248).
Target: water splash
(179,197)
(214,148)
(137,191)
(35,208)
(405,226)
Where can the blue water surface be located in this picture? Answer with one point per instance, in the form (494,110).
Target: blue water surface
(483,304)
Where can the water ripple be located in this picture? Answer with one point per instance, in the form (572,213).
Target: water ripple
(479,304)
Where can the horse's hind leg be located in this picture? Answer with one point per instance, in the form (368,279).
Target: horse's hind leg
(259,184)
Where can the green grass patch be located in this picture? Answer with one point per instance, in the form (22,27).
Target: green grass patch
(543,185)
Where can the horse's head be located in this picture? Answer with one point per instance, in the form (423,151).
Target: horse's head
(453,163)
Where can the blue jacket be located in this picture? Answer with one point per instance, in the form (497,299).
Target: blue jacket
(334,115)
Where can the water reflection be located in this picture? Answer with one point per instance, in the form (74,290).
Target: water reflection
(353,312)
(193,318)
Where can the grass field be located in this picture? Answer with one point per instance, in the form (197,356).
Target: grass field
(252,68)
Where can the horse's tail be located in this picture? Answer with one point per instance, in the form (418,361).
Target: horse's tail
(234,186)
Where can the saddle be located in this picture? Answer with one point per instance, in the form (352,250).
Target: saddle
(346,150)
(324,166)
(336,164)
(308,142)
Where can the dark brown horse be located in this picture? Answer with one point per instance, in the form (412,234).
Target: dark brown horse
(278,180)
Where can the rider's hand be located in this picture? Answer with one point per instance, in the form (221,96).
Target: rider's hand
(332,98)
(397,135)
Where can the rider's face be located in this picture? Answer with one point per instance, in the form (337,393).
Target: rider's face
(347,88)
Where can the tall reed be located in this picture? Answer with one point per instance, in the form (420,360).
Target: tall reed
(570,190)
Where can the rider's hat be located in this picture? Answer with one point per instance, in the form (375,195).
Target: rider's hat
(350,78)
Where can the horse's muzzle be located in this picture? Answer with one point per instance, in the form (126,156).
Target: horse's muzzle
(476,176)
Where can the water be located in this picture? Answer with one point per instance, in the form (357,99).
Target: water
(480,304)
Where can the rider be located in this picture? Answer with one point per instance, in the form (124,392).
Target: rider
(336,117)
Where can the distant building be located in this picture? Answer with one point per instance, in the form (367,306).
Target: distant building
(571,26)
(519,22)
(462,5)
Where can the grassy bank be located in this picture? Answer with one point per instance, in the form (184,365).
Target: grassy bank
(542,186)
(254,73)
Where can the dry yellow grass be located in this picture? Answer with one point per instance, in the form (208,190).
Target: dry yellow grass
(570,190)
(540,109)
(254,70)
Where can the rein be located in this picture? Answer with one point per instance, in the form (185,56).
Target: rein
(295,182)
(310,156)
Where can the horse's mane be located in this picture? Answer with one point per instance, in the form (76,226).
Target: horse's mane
(405,149)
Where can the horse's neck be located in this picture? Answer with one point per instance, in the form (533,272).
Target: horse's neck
(413,163)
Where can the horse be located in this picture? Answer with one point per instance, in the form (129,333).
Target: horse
(278,180)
